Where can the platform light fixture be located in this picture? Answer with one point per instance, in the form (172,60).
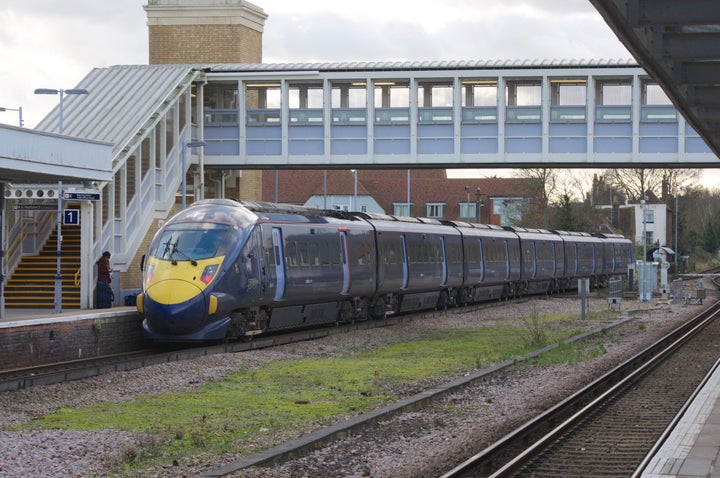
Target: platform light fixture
(18,109)
(62,93)
(183,173)
(678,188)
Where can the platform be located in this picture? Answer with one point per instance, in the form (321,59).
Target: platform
(35,337)
(693,447)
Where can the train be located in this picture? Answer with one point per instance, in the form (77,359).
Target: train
(223,269)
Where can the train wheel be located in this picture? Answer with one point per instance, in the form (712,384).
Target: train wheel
(347,312)
(377,310)
(443,300)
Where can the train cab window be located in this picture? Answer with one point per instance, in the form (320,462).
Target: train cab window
(188,243)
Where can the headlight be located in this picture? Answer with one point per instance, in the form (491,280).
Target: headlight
(208,274)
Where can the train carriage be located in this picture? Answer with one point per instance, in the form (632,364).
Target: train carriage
(542,260)
(420,266)
(492,261)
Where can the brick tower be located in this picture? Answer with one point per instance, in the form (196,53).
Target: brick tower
(204,31)
(208,32)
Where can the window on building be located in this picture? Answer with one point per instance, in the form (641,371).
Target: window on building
(402,209)
(435,210)
(510,210)
(649,215)
(468,211)
(649,238)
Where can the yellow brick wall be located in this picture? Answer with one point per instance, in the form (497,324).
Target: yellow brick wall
(132,278)
(173,44)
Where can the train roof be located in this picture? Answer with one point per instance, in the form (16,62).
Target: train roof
(472,225)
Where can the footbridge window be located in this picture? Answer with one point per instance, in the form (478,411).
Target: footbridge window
(614,100)
(435,101)
(263,101)
(568,100)
(523,99)
(392,102)
(220,103)
(613,116)
(305,101)
(349,102)
(479,100)
(656,106)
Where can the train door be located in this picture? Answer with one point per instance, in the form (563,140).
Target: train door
(406,267)
(443,259)
(482,258)
(345,261)
(279,263)
(260,263)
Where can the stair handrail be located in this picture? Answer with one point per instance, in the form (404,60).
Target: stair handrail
(42,227)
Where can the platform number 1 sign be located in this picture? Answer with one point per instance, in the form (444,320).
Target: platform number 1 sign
(71,217)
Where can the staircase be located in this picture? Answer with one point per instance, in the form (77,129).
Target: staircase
(32,285)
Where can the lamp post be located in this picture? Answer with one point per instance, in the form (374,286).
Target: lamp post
(643,202)
(678,188)
(408,192)
(185,146)
(478,204)
(467,203)
(62,93)
(18,109)
(354,204)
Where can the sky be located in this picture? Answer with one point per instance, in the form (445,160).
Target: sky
(56,43)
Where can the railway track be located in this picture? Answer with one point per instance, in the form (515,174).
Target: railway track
(17,379)
(608,428)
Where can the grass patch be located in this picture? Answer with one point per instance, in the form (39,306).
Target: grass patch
(286,395)
(569,354)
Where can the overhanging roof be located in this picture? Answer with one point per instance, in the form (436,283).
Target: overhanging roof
(29,156)
(678,44)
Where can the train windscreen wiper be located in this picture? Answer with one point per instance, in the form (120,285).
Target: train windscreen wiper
(175,249)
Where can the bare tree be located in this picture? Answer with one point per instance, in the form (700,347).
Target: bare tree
(634,183)
(546,182)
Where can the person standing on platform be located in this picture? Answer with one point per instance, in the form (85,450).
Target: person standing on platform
(104,294)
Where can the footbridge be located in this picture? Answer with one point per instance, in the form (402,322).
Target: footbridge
(172,128)
(443,114)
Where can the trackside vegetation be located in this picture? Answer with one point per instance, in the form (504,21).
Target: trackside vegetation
(279,398)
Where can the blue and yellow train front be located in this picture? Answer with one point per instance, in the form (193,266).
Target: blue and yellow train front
(177,302)
(182,298)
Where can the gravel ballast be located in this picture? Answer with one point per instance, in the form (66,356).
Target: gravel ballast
(420,443)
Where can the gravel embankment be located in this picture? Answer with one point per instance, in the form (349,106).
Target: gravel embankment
(409,445)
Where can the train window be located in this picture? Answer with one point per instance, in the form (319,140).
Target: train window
(269,256)
(313,253)
(334,253)
(302,250)
(291,254)
(187,243)
(324,255)
(390,254)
